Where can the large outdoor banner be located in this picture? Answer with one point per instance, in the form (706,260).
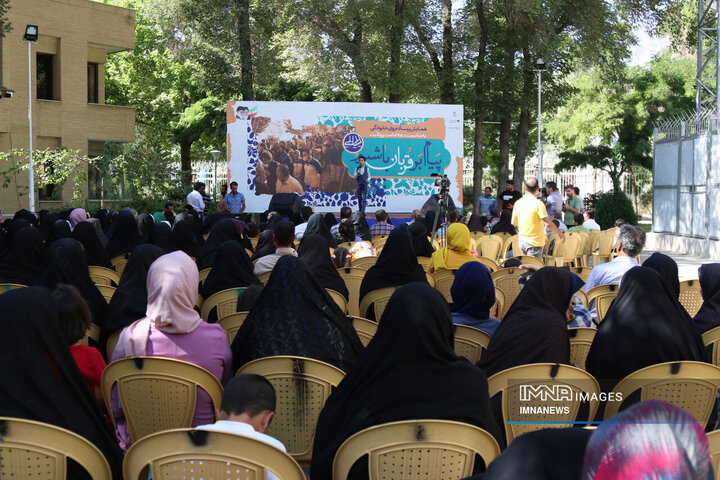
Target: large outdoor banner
(312,148)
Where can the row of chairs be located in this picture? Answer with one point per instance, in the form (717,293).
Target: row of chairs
(447,448)
(690,385)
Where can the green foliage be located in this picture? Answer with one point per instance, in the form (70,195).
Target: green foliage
(134,163)
(5,25)
(611,206)
(50,167)
(601,157)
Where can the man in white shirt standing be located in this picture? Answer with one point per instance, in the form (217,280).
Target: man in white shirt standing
(247,408)
(194,198)
(631,241)
(284,237)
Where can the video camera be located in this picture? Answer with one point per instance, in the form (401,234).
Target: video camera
(442,181)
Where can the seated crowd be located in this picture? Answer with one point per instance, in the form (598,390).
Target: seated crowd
(408,370)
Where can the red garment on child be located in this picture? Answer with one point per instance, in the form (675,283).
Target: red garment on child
(90,362)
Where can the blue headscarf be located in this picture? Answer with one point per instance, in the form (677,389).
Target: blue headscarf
(576,283)
(473,291)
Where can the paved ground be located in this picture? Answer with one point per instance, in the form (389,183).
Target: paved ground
(687,264)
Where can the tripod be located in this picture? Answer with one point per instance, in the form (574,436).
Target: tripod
(441,212)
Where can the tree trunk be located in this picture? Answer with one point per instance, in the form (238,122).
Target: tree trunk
(246,62)
(365,91)
(396,34)
(478,158)
(478,74)
(522,146)
(185,162)
(447,80)
(504,161)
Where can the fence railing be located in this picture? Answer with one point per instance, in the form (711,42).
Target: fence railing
(688,124)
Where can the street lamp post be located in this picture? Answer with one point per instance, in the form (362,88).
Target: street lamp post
(539,68)
(30,37)
(215,154)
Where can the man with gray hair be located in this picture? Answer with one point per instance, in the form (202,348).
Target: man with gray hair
(631,241)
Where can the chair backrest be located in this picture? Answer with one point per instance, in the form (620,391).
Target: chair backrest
(525,392)
(506,280)
(338,298)
(526,259)
(604,243)
(264,277)
(365,262)
(582,296)
(470,342)
(93,332)
(714,444)
(580,341)
(158,393)
(550,244)
(378,239)
(490,246)
(225,301)
(567,251)
(196,454)
(232,323)
(499,305)
(378,299)
(365,329)
(119,263)
(347,245)
(477,235)
(582,272)
(6,287)
(424,261)
(416,449)
(443,282)
(106,291)
(302,386)
(712,338)
(593,242)
(103,276)
(30,449)
(603,296)
(691,296)
(203,274)
(691,386)
(511,243)
(489,263)
(112,342)
(353,277)
(430,279)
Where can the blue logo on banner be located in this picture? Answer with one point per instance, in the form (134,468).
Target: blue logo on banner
(353,143)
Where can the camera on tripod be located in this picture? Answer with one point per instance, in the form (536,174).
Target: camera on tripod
(442,181)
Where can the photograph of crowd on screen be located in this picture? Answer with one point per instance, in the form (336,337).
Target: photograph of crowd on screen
(295,160)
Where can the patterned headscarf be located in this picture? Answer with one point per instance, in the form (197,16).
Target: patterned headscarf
(650,440)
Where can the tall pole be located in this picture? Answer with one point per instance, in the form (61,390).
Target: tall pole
(540,152)
(31,178)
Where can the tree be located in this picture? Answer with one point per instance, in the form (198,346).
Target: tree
(620,113)
(203,119)
(5,25)
(601,157)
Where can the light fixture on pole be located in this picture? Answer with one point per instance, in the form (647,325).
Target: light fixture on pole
(539,68)
(215,154)
(30,37)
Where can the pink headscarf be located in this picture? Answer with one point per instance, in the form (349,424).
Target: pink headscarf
(76,216)
(172,285)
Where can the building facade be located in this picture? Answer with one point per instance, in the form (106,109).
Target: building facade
(68,84)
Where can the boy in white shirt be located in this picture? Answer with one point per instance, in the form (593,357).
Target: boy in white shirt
(247,408)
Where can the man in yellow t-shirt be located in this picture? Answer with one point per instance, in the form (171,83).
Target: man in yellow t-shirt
(530,216)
